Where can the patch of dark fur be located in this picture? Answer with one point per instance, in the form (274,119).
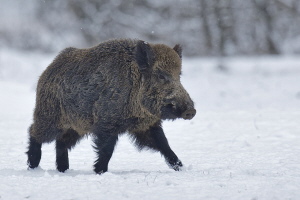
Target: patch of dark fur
(70,138)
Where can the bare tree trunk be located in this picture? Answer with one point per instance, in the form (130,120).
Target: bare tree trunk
(221,27)
(225,23)
(231,14)
(205,26)
(262,7)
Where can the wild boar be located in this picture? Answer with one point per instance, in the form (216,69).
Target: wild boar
(119,86)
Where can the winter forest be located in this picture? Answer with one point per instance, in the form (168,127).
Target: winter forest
(240,66)
(206,27)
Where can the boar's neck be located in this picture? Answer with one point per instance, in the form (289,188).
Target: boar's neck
(137,109)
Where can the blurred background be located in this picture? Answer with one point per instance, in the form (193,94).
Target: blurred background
(203,27)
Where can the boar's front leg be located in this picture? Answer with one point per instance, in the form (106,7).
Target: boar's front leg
(104,147)
(155,139)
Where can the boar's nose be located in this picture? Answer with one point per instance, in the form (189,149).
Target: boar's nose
(189,113)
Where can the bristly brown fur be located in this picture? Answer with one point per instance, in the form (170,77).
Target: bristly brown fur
(114,87)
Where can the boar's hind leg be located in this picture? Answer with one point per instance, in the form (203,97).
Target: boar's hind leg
(65,142)
(34,153)
(155,139)
(104,147)
(41,131)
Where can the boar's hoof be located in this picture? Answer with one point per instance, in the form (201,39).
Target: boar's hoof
(101,172)
(100,169)
(176,165)
(188,114)
(63,168)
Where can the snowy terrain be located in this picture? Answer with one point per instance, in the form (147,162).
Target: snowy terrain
(244,142)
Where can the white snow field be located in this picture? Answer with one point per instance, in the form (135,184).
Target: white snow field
(244,142)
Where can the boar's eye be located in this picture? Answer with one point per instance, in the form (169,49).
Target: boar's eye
(162,77)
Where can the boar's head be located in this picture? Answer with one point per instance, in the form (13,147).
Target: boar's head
(160,68)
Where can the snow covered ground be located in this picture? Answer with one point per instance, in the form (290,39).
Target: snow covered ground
(244,142)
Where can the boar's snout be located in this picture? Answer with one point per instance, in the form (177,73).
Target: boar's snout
(173,109)
(178,104)
(189,113)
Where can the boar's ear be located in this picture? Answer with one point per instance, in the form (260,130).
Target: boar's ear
(144,56)
(178,49)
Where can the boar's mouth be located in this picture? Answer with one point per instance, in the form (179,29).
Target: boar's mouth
(172,111)
(169,111)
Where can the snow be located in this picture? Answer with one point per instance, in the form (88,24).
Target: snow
(242,144)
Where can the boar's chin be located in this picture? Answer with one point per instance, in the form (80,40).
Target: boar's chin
(169,112)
